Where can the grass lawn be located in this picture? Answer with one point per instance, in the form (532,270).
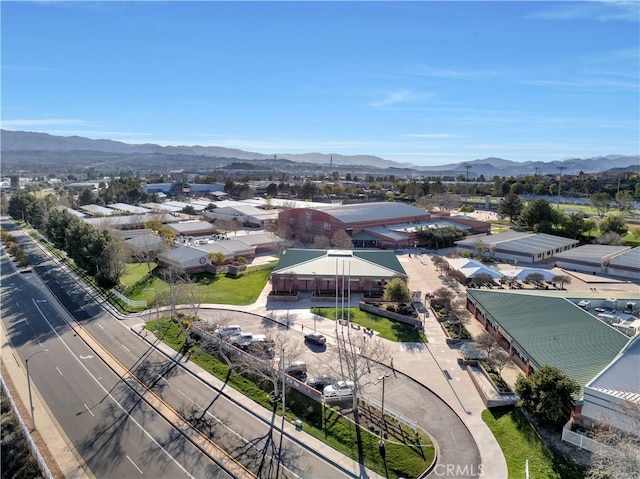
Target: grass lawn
(387,329)
(404,458)
(135,272)
(519,442)
(216,289)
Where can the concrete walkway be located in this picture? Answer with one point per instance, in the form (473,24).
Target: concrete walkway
(433,365)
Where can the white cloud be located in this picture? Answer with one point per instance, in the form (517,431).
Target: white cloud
(391,98)
(603,10)
(452,73)
(430,136)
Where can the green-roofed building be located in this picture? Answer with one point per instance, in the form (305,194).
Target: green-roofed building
(318,270)
(544,330)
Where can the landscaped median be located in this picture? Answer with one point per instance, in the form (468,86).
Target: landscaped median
(386,328)
(407,455)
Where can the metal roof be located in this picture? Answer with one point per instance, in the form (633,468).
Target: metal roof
(539,243)
(493,239)
(553,331)
(594,253)
(129,208)
(96,209)
(357,213)
(621,378)
(629,259)
(192,226)
(375,264)
(387,233)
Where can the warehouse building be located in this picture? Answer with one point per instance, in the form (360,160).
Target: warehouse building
(516,247)
(591,258)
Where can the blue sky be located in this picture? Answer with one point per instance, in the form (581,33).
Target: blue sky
(421,82)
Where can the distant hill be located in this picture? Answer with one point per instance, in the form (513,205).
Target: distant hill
(29,150)
(32,141)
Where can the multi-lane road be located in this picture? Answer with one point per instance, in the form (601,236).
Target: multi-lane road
(126,409)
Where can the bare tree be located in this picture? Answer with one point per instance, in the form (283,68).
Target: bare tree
(290,280)
(535,278)
(458,317)
(618,452)
(341,240)
(145,249)
(483,279)
(486,343)
(360,359)
(321,242)
(562,279)
(500,358)
(445,297)
(481,248)
(440,263)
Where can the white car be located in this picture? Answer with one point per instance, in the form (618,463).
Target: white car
(338,390)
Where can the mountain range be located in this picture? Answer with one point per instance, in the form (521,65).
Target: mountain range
(24,149)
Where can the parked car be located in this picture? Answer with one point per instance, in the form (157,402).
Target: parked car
(297,369)
(228,330)
(321,381)
(316,338)
(241,340)
(339,390)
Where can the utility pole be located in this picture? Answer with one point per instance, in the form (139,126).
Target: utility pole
(467,167)
(561,168)
(26,362)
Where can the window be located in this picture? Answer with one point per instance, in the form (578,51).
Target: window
(327,226)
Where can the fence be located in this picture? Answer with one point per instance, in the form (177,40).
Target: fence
(129,302)
(580,440)
(25,431)
(390,412)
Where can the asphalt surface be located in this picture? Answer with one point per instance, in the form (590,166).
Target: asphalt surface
(116,434)
(99,411)
(456,446)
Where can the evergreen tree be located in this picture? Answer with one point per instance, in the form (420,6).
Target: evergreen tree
(511,206)
(546,394)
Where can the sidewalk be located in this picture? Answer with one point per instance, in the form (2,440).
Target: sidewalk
(433,365)
(299,436)
(52,445)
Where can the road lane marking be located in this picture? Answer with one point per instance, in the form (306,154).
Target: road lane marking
(101,325)
(86,357)
(126,347)
(134,465)
(59,371)
(163,378)
(115,401)
(87,408)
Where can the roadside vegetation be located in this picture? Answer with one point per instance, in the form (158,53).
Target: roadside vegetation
(17,461)
(408,458)
(520,443)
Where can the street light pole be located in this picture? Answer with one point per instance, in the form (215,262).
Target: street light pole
(26,362)
(383,421)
